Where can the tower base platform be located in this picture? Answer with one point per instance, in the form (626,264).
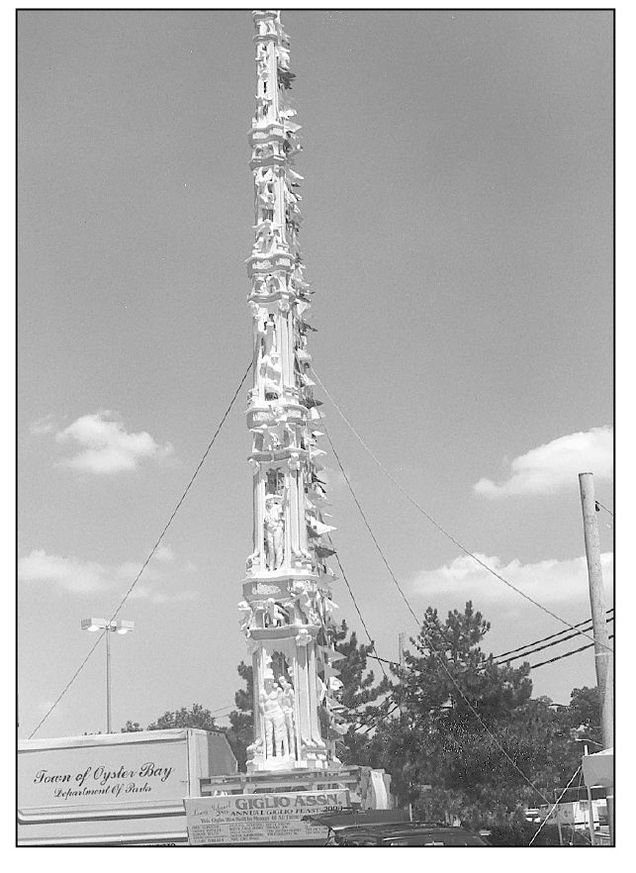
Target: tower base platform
(368,788)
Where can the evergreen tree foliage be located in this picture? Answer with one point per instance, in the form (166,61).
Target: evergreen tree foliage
(359,692)
(195,717)
(468,731)
(241,731)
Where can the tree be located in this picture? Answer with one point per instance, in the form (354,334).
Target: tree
(468,733)
(585,710)
(195,717)
(241,731)
(358,693)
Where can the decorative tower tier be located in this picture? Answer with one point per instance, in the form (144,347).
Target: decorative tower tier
(287,606)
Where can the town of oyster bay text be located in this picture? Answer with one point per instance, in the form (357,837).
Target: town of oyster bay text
(104,780)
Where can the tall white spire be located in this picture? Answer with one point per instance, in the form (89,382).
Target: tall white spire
(286,608)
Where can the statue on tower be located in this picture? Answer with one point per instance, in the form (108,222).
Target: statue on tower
(274,532)
(270,705)
(287,703)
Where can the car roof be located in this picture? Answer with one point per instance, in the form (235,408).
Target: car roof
(405,831)
(406,826)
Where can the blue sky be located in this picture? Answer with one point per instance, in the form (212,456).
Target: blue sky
(458,234)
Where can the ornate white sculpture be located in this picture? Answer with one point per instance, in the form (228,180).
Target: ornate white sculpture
(270,704)
(275,615)
(272,284)
(269,368)
(246,614)
(287,703)
(265,194)
(266,27)
(265,237)
(263,105)
(286,609)
(261,60)
(274,533)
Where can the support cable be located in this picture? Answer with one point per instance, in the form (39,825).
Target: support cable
(364,624)
(371,534)
(440,658)
(557,802)
(442,530)
(150,554)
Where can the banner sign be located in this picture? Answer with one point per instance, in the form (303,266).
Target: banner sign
(260,818)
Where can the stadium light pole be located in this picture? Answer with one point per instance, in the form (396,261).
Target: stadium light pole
(119,627)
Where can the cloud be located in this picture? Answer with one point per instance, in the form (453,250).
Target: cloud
(87,577)
(165,554)
(71,574)
(102,444)
(146,592)
(549,582)
(555,465)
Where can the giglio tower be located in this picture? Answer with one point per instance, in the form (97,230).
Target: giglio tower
(287,606)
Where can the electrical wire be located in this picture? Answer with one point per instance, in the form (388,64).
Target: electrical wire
(439,526)
(378,719)
(546,646)
(543,639)
(150,554)
(384,660)
(565,655)
(598,503)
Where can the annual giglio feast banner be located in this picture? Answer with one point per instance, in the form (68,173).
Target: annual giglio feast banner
(259,818)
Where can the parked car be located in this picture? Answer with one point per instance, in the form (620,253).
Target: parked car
(406,834)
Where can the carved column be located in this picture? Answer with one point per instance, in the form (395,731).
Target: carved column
(286,575)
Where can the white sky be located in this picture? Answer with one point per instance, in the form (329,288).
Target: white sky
(458,234)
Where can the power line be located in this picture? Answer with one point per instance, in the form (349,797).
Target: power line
(598,503)
(434,651)
(379,718)
(546,646)
(565,655)
(439,526)
(385,660)
(543,639)
(150,554)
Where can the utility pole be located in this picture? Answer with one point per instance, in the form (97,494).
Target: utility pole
(108,686)
(558,816)
(401,638)
(603,655)
(590,808)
